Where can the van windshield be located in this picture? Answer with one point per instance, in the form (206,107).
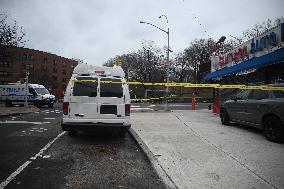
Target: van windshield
(111,89)
(42,91)
(85,88)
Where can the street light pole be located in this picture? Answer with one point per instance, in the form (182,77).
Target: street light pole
(26,92)
(168,54)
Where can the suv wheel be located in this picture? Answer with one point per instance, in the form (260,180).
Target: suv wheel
(225,118)
(272,129)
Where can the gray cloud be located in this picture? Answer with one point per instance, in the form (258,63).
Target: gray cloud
(97,30)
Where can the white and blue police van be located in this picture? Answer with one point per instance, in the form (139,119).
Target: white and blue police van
(14,94)
(96,99)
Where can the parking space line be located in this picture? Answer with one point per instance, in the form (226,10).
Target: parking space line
(22,167)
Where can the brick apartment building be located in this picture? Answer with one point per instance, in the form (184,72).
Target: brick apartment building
(44,68)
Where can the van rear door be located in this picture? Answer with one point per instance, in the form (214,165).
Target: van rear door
(112,99)
(83,101)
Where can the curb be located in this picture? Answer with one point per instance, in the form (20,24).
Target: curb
(157,167)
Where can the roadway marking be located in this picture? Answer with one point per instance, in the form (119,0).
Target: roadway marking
(22,167)
(49,118)
(25,122)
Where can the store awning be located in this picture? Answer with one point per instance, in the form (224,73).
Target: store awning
(254,63)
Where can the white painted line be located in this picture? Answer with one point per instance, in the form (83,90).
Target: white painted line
(49,118)
(135,106)
(13,175)
(25,122)
(22,167)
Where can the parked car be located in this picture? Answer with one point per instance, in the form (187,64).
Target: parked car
(263,109)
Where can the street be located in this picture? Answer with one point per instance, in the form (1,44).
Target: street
(35,153)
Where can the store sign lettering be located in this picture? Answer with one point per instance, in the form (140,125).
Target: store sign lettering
(256,47)
(262,43)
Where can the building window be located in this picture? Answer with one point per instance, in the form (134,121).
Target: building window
(4,82)
(27,66)
(54,70)
(63,65)
(54,62)
(64,72)
(5,56)
(25,57)
(5,74)
(45,60)
(31,57)
(63,79)
(5,64)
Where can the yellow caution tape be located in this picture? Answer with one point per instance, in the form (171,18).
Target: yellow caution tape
(190,85)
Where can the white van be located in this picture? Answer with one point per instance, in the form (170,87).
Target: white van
(91,102)
(14,94)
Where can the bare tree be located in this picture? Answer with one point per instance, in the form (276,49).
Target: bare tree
(260,28)
(11,34)
(143,65)
(198,53)
(181,68)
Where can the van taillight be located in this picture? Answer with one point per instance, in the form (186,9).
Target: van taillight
(127,109)
(65,108)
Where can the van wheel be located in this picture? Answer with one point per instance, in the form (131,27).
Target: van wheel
(72,133)
(8,103)
(225,118)
(37,104)
(121,134)
(273,129)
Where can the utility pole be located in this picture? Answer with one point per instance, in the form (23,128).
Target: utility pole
(168,55)
(26,93)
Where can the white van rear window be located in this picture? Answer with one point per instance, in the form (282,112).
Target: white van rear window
(111,89)
(86,88)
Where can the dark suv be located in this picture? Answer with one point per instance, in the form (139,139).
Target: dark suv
(263,109)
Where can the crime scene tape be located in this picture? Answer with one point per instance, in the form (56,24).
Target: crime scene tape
(191,85)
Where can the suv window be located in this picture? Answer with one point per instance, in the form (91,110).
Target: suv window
(259,94)
(111,89)
(243,95)
(85,88)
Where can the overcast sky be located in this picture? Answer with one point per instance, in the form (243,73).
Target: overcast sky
(96,30)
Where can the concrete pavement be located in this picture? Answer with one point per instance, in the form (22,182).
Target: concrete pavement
(191,149)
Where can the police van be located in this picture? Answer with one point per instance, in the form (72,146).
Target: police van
(14,94)
(95,98)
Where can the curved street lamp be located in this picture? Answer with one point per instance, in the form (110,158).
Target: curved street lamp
(168,52)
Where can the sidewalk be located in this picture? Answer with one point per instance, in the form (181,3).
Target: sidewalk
(10,111)
(185,158)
